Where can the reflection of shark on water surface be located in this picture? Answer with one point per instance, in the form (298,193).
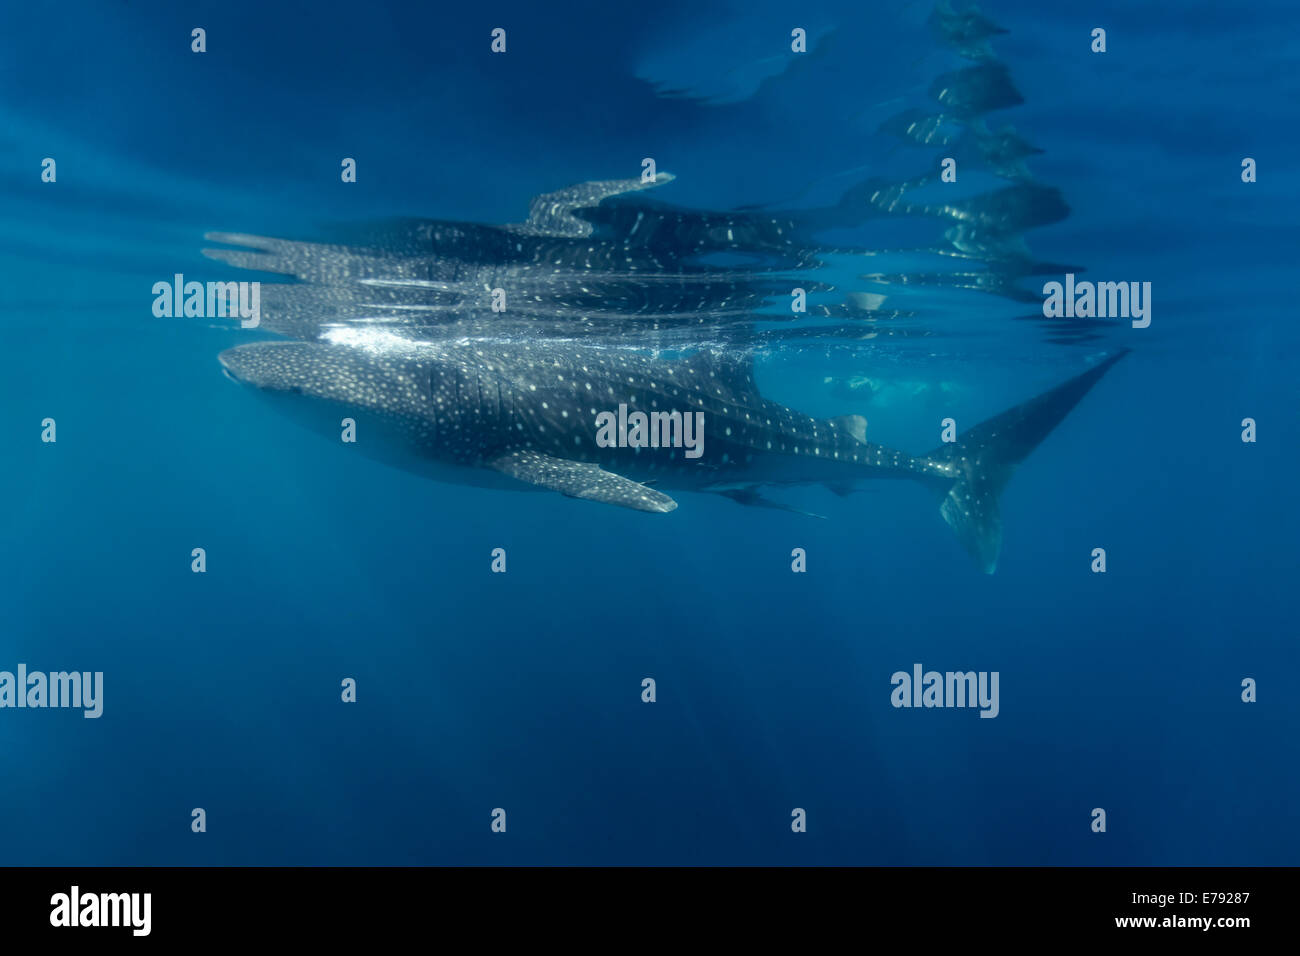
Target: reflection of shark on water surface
(578,265)
(527,415)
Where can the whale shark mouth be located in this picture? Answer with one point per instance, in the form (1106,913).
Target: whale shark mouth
(224,358)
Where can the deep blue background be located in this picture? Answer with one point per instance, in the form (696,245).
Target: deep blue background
(522,690)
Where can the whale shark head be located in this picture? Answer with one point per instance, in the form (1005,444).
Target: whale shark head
(322,387)
(311,370)
(290,375)
(276,367)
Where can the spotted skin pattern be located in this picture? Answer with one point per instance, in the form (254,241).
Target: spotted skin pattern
(529,412)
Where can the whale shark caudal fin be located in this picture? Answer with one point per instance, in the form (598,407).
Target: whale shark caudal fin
(987,454)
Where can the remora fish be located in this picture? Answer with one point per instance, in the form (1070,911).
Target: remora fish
(526,415)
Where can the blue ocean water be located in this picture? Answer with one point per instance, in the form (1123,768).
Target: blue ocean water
(522,691)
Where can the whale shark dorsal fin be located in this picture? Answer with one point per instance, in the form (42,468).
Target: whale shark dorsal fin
(581,479)
(552,214)
(855,425)
(735,370)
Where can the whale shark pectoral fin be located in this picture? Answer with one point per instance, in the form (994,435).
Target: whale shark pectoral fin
(580,479)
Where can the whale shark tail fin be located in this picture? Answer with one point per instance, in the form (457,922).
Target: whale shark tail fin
(985,456)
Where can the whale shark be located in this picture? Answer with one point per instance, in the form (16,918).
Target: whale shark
(528,416)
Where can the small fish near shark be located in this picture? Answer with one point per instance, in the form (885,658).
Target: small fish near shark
(527,416)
